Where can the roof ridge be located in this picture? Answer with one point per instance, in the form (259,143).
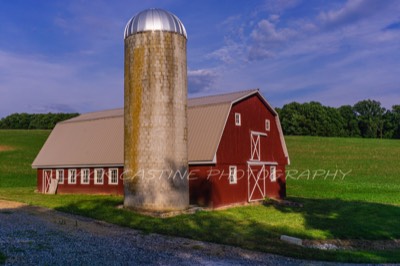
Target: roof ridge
(91,119)
(104,110)
(223,94)
(80,119)
(87,116)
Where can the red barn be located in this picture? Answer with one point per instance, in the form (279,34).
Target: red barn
(237,152)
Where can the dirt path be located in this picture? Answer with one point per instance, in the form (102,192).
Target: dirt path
(38,236)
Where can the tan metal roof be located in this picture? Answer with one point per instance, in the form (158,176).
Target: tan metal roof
(84,143)
(221,98)
(97,115)
(95,139)
(205,126)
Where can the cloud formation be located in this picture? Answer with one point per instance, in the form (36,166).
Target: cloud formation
(340,53)
(265,38)
(200,80)
(69,54)
(33,83)
(351,12)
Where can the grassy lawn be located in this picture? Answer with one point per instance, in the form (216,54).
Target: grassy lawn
(372,165)
(365,204)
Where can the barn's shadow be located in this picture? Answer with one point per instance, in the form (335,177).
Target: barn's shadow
(337,218)
(246,227)
(345,219)
(248,230)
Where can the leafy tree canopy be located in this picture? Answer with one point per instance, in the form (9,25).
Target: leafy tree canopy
(34,121)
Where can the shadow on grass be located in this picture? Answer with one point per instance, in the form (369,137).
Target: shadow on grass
(241,227)
(343,219)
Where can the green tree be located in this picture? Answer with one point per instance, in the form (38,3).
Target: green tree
(350,122)
(370,118)
(311,119)
(292,120)
(33,121)
(396,121)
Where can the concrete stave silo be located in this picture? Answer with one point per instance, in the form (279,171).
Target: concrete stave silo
(155,112)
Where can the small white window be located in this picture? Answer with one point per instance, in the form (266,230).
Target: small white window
(232,174)
(60,176)
(272,175)
(72,176)
(98,176)
(238,120)
(113,176)
(267,125)
(85,176)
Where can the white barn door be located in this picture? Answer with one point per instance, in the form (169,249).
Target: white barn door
(256,182)
(47,174)
(50,184)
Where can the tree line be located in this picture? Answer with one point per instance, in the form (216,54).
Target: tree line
(34,121)
(367,119)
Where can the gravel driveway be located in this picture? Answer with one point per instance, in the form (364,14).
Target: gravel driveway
(39,236)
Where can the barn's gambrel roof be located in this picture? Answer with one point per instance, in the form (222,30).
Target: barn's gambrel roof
(92,139)
(96,139)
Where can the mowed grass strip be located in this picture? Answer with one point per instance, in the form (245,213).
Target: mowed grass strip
(333,210)
(16,160)
(372,168)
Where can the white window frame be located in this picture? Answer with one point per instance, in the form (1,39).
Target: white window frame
(60,178)
(110,177)
(238,119)
(232,174)
(267,125)
(96,180)
(272,174)
(83,171)
(70,171)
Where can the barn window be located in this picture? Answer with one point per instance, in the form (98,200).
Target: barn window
(60,176)
(113,176)
(267,125)
(98,176)
(232,174)
(72,176)
(238,120)
(272,175)
(85,176)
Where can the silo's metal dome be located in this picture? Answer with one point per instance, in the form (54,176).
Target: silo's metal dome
(154,19)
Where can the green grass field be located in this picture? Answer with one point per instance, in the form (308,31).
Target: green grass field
(365,204)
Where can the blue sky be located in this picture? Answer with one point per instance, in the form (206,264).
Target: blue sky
(67,56)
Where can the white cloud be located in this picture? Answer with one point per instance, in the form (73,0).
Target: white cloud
(228,54)
(36,84)
(279,6)
(352,11)
(266,39)
(266,32)
(201,80)
(274,18)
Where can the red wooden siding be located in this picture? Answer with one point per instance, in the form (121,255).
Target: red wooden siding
(234,146)
(235,149)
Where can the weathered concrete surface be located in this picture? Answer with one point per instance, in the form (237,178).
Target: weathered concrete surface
(156,122)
